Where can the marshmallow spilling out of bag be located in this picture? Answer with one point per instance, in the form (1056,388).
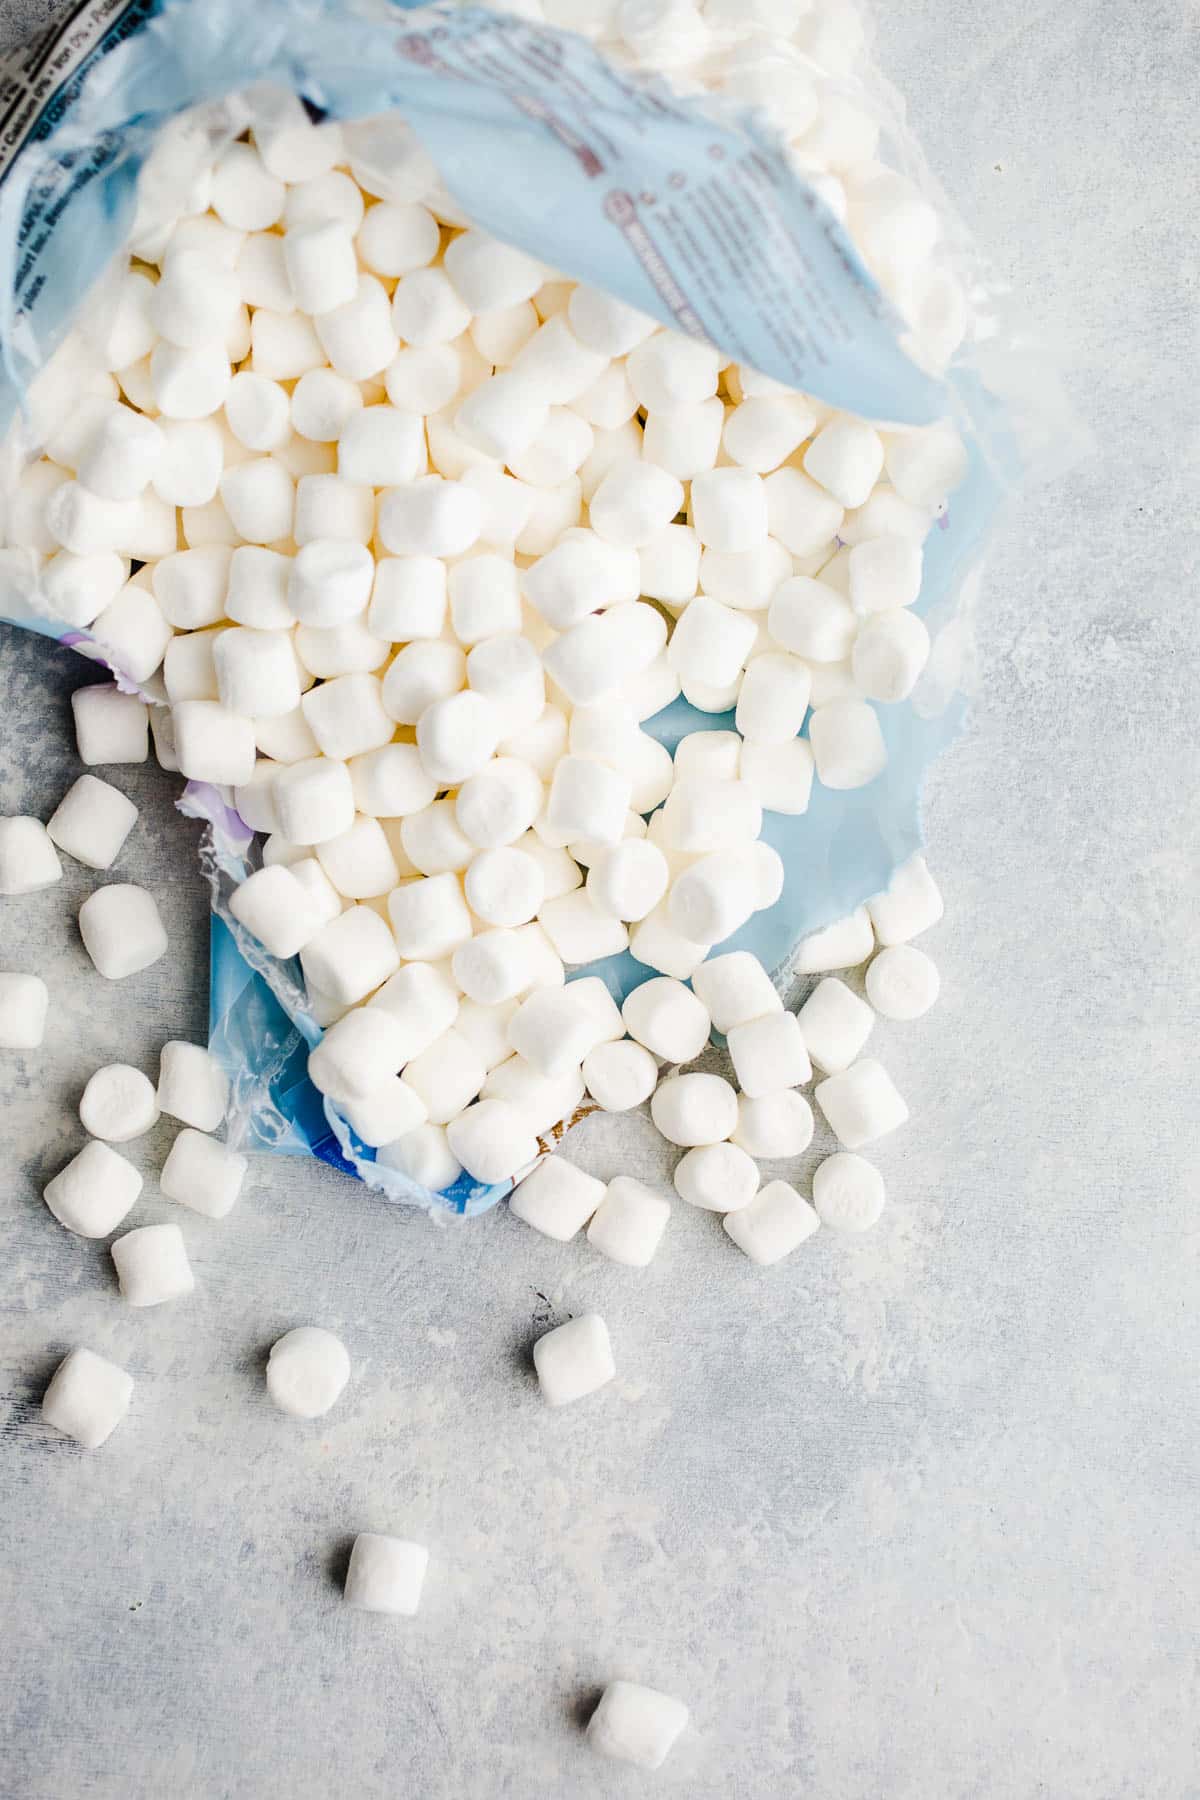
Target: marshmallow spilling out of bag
(427,534)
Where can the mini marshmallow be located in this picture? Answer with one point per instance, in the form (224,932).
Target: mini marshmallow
(633,503)
(488,274)
(359,861)
(769,1053)
(587,800)
(581,575)
(286,740)
(717,1178)
(323,405)
(358,1055)
(774,1224)
(429,917)
(762,432)
(485,600)
(774,1125)
(257,412)
(424,1156)
(694,1109)
(447,1076)
(329,507)
(715,895)
(861,1104)
(800,514)
(551,512)
(495,966)
(686,441)
(842,945)
(927,464)
(307,1370)
(321,266)
(707,756)
(212,743)
(560,872)
(670,565)
(359,336)
(381,447)
(152,1265)
(350,956)
(574,1360)
(729,509)
(284,346)
(668,1019)
(391,782)
(703,815)
(426,308)
(554,1028)
(201,1173)
(332,195)
(28,859)
(262,273)
(94,1192)
(245,194)
(558,364)
(194,303)
(277,910)
(192,1086)
(422,673)
(848,1192)
(329,581)
(579,932)
(345,649)
(620,1075)
(24,1002)
(636,1724)
(433,841)
(408,598)
(390,1111)
(627,880)
(318,887)
(668,370)
(773,699)
(424,381)
(629,1223)
(503,417)
(77,589)
(87,1398)
(836,1024)
(423,999)
(902,982)
(314,799)
(256,672)
(655,942)
(121,930)
(557,1199)
(845,458)
(561,446)
(121,455)
(599,655)
(606,324)
(779,775)
(545,1100)
(118,1104)
(883,573)
(847,744)
(710,643)
(507,670)
(430,517)
(347,716)
(393,239)
(385,1574)
(190,586)
(910,904)
(812,620)
(486,1028)
(188,670)
(492,1140)
(457,736)
(110,727)
(889,654)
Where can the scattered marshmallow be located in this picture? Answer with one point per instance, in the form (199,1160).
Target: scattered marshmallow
(87,1398)
(861,1104)
(118,1104)
(201,1173)
(152,1265)
(835,1025)
(91,823)
(636,1724)
(910,904)
(775,1223)
(629,1223)
(192,1086)
(110,727)
(574,1360)
(769,1053)
(902,982)
(94,1192)
(492,1140)
(24,1003)
(694,1109)
(773,1125)
(716,1177)
(668,1019)
(848,1192)
(307,1370)
(28,859)
(121,930)
(557,1198)
(385,1574)
(620,1075)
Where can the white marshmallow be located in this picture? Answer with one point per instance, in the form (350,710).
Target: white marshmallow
(717,1178)
(284,346)
(424,1156)
(314,799)
(394,239)
(779,775)
(488,274)
(883,573)
(385,1574)
(390,782)
(212,743)
(627,880)
(890,651)
(845,458)
(885,514)
(190,586)
(318,887)
(190,384)
(694,1109)
(608,403)
(133,631)
(24,1002)
(729,509)
(329,507)
(560,447)
(421,674)
(579,932)
(629,1223)
(492,1140)
(195,301)
(842,945)
(152,1265)
(714,896)
(485,599)
(762,432)
(321,266)
(668,1019)
(359,861)
(430,517)
(557,1199)
(655,942)
(847,743)
(774,1224)
(262,273)
(603,323)
(587,800)
(426,308)
(202,1174)
(28,859)
(670,565)
(390,1111)
(358,1055)
(800,513)
(495,966)
(773,699)
(506,505)
(85,525)
(347,716)
(423,381)
(429,917)
(925,465)
(121,455)
(545,1100)
(118,1104)
(685,441)
(707,756)
(245,194)
(346,649)
(848,1192)
(574,1360)
(902,982)
(554,1028)
(581,575)
(359,336)
(277,910)
(323,404)
(633,503)
(769,1053)
(551,512)
(307,1370)
(668,370)
(121,930)
(507,670)
(350,956)
(87,1398)
(457,736)
(256,672)
(94,1192)
(710,643)
(835,1024)
(408,598)
(704,815)
(599,655)
(774,1125)
(433,841)
(560,872)
(486,1028)
(448,1075)
(332,195)
(258,413)
(381,447)
(286,740)
(192,1086)
(636,1724)
(861,1104)
(811,619)
(110,727)
(329,581)
(503,416)
(499,804)
(620,1075)
(423,999)
(910,904)
(558,364)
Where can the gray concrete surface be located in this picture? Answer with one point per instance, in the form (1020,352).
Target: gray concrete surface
(915,1517)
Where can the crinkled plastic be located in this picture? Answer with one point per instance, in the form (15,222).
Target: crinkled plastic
(607,176)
